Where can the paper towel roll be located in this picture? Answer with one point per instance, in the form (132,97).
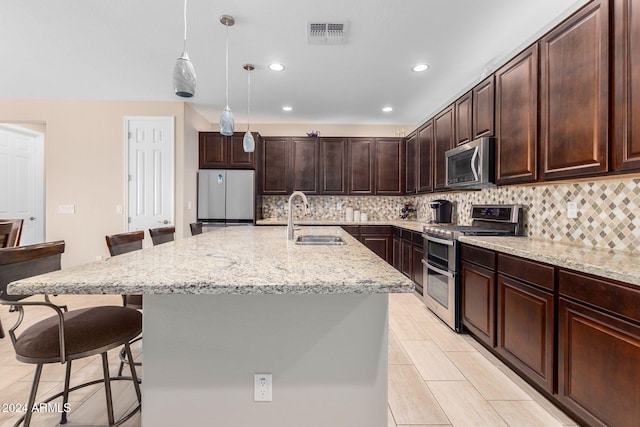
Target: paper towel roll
(349,214)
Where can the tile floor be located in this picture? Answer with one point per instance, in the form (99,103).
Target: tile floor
(436,377)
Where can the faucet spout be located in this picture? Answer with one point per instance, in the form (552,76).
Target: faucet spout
(290,212)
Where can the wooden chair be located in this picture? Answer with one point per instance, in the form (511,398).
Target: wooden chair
(196,228)
(5,232)
(162,235)
(65,336)
(16,231)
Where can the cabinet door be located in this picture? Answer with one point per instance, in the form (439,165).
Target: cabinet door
(626,128)
(361,155)
(416,267)
(443,134)
(238,158)
(380,244)
(525,329)
(517,119)
(574,103)
(425,155)
(333,163)
(212,150)
(389,169)
(304,170)
(598,360)
(464,118)
(407,259)
(483,108)
(397,253)
(478,302)
(275,166)
(411,163)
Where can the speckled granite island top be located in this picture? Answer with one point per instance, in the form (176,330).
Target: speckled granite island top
(617,265)
(232,260)
(406,224)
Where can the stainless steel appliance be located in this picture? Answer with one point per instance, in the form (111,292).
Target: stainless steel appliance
(441,293)
(471,165)
(440,211)
(225,196)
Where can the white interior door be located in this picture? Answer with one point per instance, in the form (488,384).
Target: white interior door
(150,152)
(22,180)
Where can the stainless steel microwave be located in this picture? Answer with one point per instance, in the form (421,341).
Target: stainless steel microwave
(471,165)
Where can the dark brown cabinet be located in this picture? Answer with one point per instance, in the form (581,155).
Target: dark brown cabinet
(378,239)
(484,108)
(411,163)
(305,165)
(408,254)
(274,165)
(517,119)
(464,119)
(361,164)
(333,165)
(443,137)
(218,151)
(417,254)
(425,156)
(406,263)
(526,319)
(389,166)
(574,92)
(397,249)
(626,79)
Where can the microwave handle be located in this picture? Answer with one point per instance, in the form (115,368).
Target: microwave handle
(475,164)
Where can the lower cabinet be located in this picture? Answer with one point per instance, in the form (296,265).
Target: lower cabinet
(378,238)
(478,286)
(417,253)
(408,254)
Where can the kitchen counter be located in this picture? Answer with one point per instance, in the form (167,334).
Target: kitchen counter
(406,224)
(617,265)
(224,306)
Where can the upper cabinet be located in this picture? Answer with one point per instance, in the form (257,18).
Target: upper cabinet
(361,164)
(274,166)
(443,137)
(425,156)
(574,91)
(626,76)
(464,119)
(333,165)
(411,157)
(389,170)
(218,151)
(484,108)
(517,118)
(305,165)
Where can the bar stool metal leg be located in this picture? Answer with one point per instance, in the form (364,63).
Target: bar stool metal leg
(107,388)
(32,396)
(65,395)
(134,374)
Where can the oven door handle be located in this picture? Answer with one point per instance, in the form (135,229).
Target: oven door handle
(437,240)
(437,270)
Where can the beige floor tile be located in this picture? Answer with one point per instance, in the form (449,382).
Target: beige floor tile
(390,421)
(445,338)
(420,313)
(405,298)
(11,374)
(410,400)
(93,410)
(525,414)
(397,355)
(430,361)
(406,328)
(490,381)
(463,404)
(395,307)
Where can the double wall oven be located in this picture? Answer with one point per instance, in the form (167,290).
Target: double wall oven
(441,291)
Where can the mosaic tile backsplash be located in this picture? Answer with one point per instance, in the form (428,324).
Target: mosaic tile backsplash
(608,210)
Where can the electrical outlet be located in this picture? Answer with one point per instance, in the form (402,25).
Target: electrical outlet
(262,387)
(338,206)
(572,210)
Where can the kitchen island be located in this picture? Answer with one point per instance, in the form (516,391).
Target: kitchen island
(225,305)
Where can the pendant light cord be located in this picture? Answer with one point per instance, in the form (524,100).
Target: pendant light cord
(185,26)
(248,100)
(227,70)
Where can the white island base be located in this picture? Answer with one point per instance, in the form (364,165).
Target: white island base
(327,355)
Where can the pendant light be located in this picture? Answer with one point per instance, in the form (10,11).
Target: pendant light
(248,144)
(184,75)
(226,119)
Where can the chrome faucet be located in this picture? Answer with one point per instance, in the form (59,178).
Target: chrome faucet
(290,214)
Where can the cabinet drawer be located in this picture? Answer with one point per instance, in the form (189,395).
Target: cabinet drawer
(417,239)
(527,271)
(376,229)
(617,298)
(354,230)
(480,256)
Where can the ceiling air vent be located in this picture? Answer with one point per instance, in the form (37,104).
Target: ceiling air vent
(326,33)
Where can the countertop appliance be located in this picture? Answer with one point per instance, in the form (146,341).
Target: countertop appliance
(441,293)
(471,165)
(440,211)
(225,196)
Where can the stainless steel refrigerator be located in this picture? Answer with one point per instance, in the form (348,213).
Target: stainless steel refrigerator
(225,196)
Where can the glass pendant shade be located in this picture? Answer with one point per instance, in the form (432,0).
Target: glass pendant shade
(226,122)
(184,77)
(248,144)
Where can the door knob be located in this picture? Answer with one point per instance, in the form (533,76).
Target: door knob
(32,218)
(164,222)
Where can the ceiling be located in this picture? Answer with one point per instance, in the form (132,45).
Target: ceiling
(126,50)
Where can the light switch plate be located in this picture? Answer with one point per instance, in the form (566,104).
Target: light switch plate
(66,209)
(572,210)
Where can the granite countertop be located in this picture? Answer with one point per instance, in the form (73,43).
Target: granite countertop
(612,264)
(406,224)
(232,260)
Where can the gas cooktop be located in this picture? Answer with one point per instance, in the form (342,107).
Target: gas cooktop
(487,220)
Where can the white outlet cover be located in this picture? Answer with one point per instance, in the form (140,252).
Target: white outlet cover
(262,387)
(66,209)
(572,209)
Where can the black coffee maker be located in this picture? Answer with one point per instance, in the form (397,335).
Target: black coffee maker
(440,211)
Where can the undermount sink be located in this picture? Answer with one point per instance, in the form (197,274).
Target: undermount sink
(320,240)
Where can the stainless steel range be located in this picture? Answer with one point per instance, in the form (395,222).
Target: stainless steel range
(440,263)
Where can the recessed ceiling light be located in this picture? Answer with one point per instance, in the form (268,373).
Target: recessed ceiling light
(387,109)
(276,67)
(420,67)
(287,108)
